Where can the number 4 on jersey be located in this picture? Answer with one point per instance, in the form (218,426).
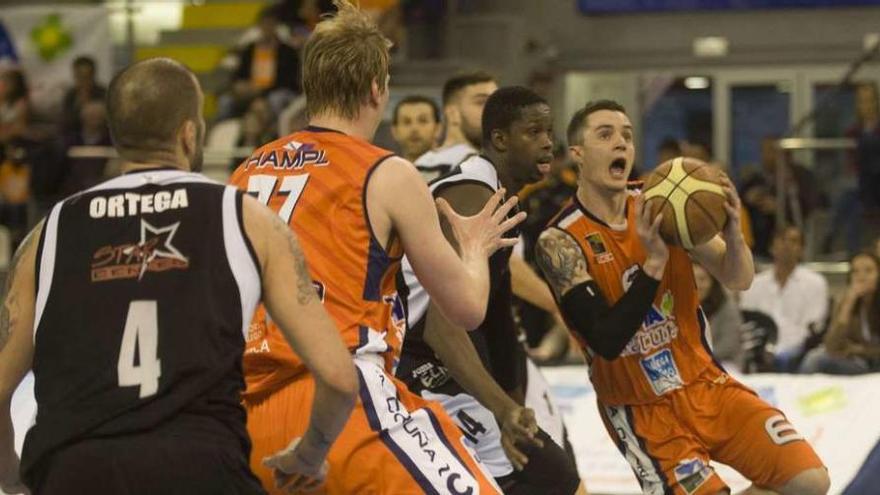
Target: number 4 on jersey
(141,331)
(292,185)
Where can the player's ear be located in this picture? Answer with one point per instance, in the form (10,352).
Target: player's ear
(376,93)
(576,152)
(499,139)
(189,137)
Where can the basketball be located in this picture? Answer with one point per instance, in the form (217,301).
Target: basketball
(689,194)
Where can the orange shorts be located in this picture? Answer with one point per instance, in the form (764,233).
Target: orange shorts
(669,443)
(394,443)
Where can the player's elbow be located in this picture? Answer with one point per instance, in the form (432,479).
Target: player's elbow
(472,316)
(742,281)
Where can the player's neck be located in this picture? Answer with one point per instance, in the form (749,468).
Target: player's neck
(153,160)
(608,206)
(454,137)
(783,272)
(499,163)
(361,127)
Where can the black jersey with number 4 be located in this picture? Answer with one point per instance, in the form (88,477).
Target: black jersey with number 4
(495,340)
(146,285)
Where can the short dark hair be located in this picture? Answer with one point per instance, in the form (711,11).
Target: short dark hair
(779,232)
(455,84)
(505,106)
(579,119)
(148,102)
(84,61)
(415,99)
(670,144)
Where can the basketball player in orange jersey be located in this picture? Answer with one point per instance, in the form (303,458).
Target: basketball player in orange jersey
(357,208)
(631,301)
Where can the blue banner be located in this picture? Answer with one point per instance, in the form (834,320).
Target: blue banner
(637,6)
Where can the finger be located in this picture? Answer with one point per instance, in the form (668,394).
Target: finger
(512,222)
(445,210)
(313,484)
(492,204)
(505,242)
(655,227)
(517,458)
(505,208)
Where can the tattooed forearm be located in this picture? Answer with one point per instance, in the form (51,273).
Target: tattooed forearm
(304,288)
(561,260)
(10,307)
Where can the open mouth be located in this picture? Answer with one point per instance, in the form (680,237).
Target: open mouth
(618,169)
(545,165)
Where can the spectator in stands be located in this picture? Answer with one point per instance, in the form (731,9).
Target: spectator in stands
(258,125)
(85,170)
(85,89)
(866,132)
(14,106)
(267,67)
(852,344)
(416,126)
(15,177)
(793,295)
(759,194)
(301,17)
(724,318)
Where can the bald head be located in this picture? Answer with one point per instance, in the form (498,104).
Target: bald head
(152,107)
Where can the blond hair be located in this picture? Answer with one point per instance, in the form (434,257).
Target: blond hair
(342,58)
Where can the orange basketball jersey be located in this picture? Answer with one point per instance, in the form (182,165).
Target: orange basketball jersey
(670,350)
(316,181)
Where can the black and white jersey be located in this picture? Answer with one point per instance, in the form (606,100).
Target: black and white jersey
(146,285)
(436,163)
(495,339)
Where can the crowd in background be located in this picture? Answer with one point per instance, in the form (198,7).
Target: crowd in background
(787,321)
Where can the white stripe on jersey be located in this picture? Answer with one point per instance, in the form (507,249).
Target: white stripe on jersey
(449,156)
(47,264)
(241,262)
(475,168)
(639,460)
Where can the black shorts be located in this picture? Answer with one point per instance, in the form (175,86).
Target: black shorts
(146,465)
(550,471)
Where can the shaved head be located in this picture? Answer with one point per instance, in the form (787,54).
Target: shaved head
(148,105)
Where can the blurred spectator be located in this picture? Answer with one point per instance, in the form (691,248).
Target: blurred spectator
(866,132)
(85,89)
(15,177)
(14,106)
(698,150)
(759,194)
(669,148)
(724,318)
(852,344)
(84,172)
(415,125)
(423,24)
(266,67)
(793,295)
(301,17)
(258,125)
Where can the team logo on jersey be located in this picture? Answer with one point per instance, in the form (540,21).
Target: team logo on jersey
(598,247)
(293,156)
(662,372)
(154,253)
(691,474)
(659,328)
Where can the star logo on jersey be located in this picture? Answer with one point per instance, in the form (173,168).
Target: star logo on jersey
(155,252)
(156,244)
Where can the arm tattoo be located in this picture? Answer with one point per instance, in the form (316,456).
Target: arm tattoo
(304,288)
(561,260)
(10,307)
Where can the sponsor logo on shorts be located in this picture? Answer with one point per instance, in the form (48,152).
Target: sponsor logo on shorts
(662,372)
(691,474)
(154,253)
(431,376)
